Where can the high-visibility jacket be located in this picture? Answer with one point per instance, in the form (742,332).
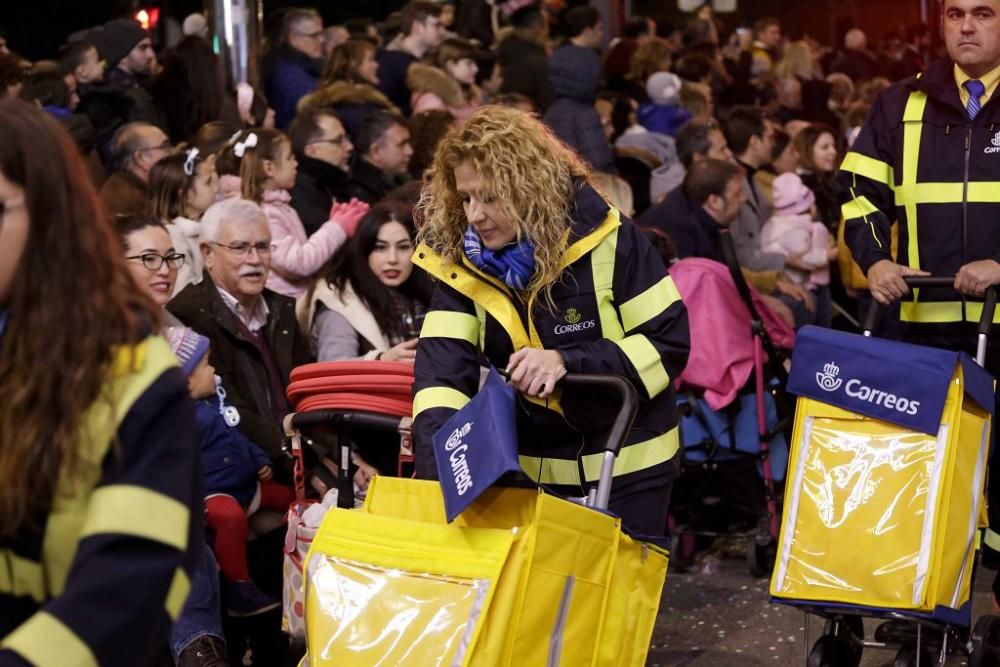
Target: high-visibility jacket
(99,582)
(616,311)
(920,161)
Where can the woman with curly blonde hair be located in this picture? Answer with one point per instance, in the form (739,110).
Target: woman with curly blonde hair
(652,56)
(539,275)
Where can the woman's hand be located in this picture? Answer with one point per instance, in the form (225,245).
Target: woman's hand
(363,475)
(348,215)
(405,351)
(535,372)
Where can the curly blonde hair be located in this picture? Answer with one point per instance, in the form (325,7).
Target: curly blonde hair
(525,167)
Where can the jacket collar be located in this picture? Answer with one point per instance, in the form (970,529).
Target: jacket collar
(938,82)
(325,174)
(225,317)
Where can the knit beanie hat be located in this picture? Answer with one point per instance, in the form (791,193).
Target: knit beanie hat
(118,38)
(663,88)
(188,346)
(791,196)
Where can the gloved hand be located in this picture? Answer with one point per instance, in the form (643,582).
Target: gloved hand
(348,214)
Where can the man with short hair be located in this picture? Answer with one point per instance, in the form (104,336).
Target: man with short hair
(135,148)
(381,157)
(697,140)
(937,186)
(523,59)
(584,27)
(855,60)
(81,62)
(254,335)
(323,151)
(293,67)
(421,32)
(766,46)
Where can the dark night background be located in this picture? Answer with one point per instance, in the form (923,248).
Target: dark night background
(36,28)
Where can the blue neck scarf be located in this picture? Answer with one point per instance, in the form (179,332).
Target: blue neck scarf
(514,264)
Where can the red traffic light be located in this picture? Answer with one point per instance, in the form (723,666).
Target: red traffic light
(148,18)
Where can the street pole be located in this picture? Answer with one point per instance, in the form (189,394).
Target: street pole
(235,34)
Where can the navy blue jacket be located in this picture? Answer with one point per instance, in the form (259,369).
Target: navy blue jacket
(694,232)
(392,69)
(575,75)
(291,75)
(229,460)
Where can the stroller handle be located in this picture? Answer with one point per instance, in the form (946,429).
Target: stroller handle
(619,429)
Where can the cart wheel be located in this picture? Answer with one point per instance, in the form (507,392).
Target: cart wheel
(985,640)
(760,557)
(830,651)
(907,657)
(851,629)
(683,547)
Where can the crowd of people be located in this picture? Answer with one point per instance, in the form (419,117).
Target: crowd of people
(268,226)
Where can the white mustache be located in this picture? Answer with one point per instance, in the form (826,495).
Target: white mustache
(250,272)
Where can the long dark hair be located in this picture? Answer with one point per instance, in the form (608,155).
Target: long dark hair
(190,88)
(63,325)
(350,265)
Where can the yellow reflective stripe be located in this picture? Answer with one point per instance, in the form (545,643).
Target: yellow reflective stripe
(869,167)
(647,363)
(44,640)
(438,397)
(928,193)
(635,457)
(21,576)
(602,267)
(450,324)
(859,207)
(913,115)
(640,309)
(632,458)
(177,594)
(550,471)
(138,512)
(991,539)
(942,311)
(481,318)
(609,225)
(984,192)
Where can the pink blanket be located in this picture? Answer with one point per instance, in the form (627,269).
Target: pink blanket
(721,358)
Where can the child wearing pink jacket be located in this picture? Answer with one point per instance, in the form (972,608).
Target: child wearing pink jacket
(267,171)
(794,231)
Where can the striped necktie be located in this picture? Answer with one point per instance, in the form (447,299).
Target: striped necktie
(976,90)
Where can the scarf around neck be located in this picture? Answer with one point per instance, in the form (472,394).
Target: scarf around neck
(514,263)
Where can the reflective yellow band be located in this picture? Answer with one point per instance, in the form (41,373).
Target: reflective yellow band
(913,116)
(937,312)
(636,457)
(991,539)
(177,594)
(138,512)
(481,318)
(651,303)
(862,165)
(450,324)
(438,397)
(21,576)
(859,207)
(647,363)
(914,110)
(602,266)
(632,458)
(45,641)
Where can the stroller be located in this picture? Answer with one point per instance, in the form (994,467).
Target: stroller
(891,460)
(733,414)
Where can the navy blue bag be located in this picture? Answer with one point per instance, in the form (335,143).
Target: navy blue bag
(477,445)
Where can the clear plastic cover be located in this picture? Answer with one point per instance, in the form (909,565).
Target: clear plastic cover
(364,615)
(861,511)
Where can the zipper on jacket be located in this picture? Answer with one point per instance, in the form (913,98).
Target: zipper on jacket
(965,199)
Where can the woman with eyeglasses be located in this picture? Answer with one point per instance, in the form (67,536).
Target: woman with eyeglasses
(152,260)
(96,425)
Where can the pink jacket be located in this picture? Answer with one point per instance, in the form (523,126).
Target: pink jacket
(799,235)
(296,258)
(721,357)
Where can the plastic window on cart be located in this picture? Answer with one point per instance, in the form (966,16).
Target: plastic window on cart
(363,615)
(861,505)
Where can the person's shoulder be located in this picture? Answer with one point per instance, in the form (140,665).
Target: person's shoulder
(191,303)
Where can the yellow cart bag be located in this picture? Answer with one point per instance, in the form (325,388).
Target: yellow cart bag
(886,474)
(521,577)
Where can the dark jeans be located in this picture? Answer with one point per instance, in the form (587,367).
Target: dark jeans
(202,613)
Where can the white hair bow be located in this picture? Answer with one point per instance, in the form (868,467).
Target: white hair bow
(241,146)
(189,159)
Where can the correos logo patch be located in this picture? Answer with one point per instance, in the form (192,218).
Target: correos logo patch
(828,381)
(574,324)
(459,464)
(995,148)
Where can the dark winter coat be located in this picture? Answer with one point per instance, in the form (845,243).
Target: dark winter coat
(317,185)
(352,102)
(694,232)
(114,101)
(575,75)
(525,70)
(392,69)
(290,75)
(229,460)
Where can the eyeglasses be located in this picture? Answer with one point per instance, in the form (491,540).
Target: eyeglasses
(242,249)
(153,262)
(336,141)
(310,35)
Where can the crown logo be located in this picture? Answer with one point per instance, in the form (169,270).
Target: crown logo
(573,316)
(996,139)
(827,378)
